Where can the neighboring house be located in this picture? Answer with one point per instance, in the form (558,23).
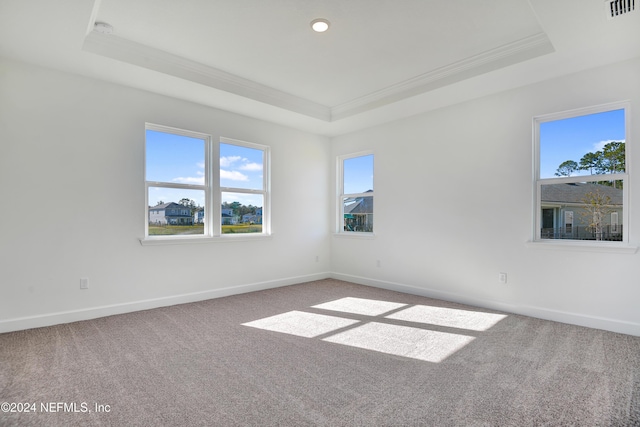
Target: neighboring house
(170,213)
(252,218)
(198,216)
(228,218)
(564,215)
(358,214)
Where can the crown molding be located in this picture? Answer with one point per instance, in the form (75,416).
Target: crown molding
(128,51)
(500,57)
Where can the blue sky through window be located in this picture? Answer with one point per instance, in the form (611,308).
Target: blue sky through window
(180,159)
(358,174)
(572,138)
(174,158)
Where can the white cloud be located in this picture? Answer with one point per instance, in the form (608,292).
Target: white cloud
(200,165)
(251,167)
(598,146)
(196,180)
(227,161)
(233,175)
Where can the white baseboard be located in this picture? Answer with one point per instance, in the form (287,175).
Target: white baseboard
(49,319)
(614,325)
(608,324)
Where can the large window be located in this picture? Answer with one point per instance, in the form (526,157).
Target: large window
(582,175)
(355,204)
(196,187)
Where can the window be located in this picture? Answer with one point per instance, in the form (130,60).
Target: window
(355,204)
(581,181)
(243,187)
(568,222)
(198,188)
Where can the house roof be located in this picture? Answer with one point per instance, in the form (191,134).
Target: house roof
(362,205)
(576,192)
(164,206)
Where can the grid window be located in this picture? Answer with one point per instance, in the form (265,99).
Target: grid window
(198,188)
(243,187)
(582,174)
(355,202)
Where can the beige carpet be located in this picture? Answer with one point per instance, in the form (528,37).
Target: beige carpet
(326,353)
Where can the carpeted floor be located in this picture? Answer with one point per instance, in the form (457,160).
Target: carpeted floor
(325,353)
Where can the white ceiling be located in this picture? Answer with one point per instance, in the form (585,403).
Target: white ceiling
(381,59)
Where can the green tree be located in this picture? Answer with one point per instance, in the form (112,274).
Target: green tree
(591,162)
(614,155)
(188,203)
(566,168)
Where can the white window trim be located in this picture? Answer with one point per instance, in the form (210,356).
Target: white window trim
(537,241)
(265,191)
(339,231)
(213,192)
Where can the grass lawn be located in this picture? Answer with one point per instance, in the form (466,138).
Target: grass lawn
(242,228)
(173,230)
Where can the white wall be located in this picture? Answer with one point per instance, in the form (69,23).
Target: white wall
(453,208)
(72,190)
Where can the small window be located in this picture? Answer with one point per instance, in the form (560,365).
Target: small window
(198,188)
(355,204)
(568,222)
(614,223)
(582,174)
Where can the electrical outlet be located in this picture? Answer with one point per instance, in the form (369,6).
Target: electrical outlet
(378,263)
(84,283)
(317,258)
(502,277)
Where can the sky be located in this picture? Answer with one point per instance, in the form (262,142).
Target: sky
(181,159)
(570,139)
(358,174)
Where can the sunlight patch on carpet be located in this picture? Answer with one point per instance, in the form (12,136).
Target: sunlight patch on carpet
(302,324)
(368,307)
(450,317)
(421,344)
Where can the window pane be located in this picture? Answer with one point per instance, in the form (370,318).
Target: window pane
(584,145)
(175,211)
(358,175)
(174,158)
(358,214)
(581,211)
(241,167)
(241,213)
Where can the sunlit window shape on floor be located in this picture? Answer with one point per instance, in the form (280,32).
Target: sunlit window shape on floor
(364,306)
(421,344)
(302,324)
(449,317)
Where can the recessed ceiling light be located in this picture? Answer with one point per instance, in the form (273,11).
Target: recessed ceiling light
(320,25)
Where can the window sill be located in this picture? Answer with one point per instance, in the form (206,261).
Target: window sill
(178,240)
(355,235)
(610,247)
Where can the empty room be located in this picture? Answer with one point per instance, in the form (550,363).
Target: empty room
(319,213)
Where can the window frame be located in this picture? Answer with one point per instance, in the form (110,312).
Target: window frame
(539,182)
(212,189)
(341,196)
(265,191)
